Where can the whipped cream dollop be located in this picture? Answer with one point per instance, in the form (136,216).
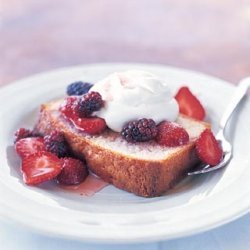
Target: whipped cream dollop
(133,95)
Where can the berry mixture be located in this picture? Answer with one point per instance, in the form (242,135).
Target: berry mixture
(49,157)
(78,88)
(91,125)
(42,159)
(139,131)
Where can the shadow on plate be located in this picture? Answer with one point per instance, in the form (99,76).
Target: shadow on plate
(14,163)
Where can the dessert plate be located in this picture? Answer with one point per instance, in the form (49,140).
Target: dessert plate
(197,204)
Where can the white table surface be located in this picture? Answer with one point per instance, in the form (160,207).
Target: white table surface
(234,235)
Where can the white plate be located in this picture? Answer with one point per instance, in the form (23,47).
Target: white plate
(197,204)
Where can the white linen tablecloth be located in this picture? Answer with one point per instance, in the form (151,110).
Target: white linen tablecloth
(232,236)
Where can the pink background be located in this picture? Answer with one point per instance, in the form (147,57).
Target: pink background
(209,35)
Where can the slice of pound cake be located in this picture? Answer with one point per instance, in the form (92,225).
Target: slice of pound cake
(144,168)
(128,129)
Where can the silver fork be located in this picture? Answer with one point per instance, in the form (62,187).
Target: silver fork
(225,144)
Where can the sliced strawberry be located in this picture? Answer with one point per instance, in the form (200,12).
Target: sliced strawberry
(40,167)
(189,104)
(28,146)
(208,148)
(91,125)
(171,134)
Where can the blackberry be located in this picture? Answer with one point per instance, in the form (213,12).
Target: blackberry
(89,103)
(140,130)
(78,88)
(56,144)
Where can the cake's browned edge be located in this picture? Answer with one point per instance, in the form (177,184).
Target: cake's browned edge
(148,178)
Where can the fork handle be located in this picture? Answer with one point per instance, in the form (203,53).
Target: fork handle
(237,97)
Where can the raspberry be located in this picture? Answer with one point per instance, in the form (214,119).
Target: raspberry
(74,172)
(139,131)
(22,133)
(78,88)
(56,144)
(171,134)
(89,103)
(68,107)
